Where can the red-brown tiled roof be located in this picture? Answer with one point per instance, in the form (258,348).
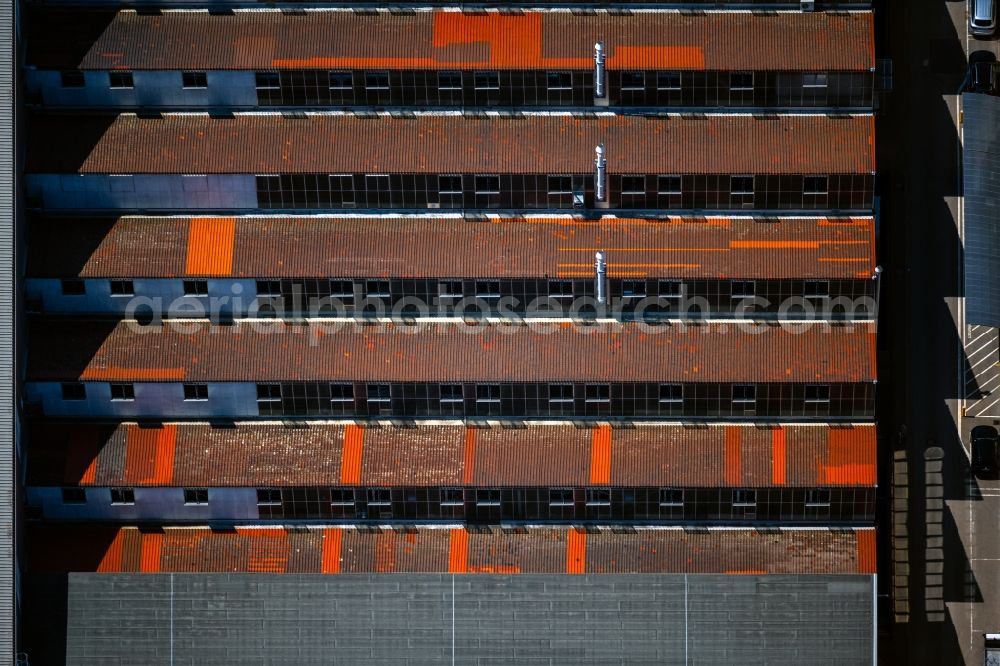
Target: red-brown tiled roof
(271,350)
(533,144)
(271,454)
(447,40)
(534,550)
(413,247)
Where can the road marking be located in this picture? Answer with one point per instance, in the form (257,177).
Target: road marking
(973,341)
(981,413)
(989,381)
(982,372)
(990,339)
(980,363)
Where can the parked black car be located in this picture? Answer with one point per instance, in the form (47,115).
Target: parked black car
(984,451)
(982,66)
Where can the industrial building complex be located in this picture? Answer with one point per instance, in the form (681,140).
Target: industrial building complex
(395,335)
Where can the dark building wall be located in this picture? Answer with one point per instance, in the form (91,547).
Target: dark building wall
(480,504)
(630,297)
(496,504)
(566,191)
(371,296)
(615,400)
(506,88)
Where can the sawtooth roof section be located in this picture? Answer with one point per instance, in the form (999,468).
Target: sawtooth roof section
(271,350)
(413,247)
(531,144)
(108,549)
(271,454)
(448,40)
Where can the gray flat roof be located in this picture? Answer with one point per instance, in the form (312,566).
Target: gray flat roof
(484,619)
(981,175)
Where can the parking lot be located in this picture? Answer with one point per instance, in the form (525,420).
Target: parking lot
(982,375)
(940,378)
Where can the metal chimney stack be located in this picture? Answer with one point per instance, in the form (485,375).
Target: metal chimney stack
(601,277)
(599,88)
(600,176)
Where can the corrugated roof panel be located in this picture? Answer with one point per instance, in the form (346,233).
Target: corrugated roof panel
(412,247)
(453,40)
(270,454)
(531,550)
(276,455)
(533,144)
(391,456)
(532,456)
(260,351)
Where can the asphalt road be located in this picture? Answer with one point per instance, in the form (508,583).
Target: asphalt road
(940,526)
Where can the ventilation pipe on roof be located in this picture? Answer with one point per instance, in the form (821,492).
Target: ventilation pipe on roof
(601,277)
(600,176)
(599,88)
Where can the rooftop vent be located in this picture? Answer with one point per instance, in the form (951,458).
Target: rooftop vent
(601,277)
(599,56)
(600,175)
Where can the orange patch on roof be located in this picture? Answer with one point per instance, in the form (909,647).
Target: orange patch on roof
(778,456)
(469,458)
(842,260)
(734,462)
(149,455)
(210,246)
(332,539)
(611,272)
(152,547)
(166,445)
(600,455)
(140,454)
(350,465)
(496,569)
(841,222)
(867,562)
(774,245)
(850,458)
(753,572)
(511,42)
(458,551)
(576,552)
(112,560)
(134,374)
